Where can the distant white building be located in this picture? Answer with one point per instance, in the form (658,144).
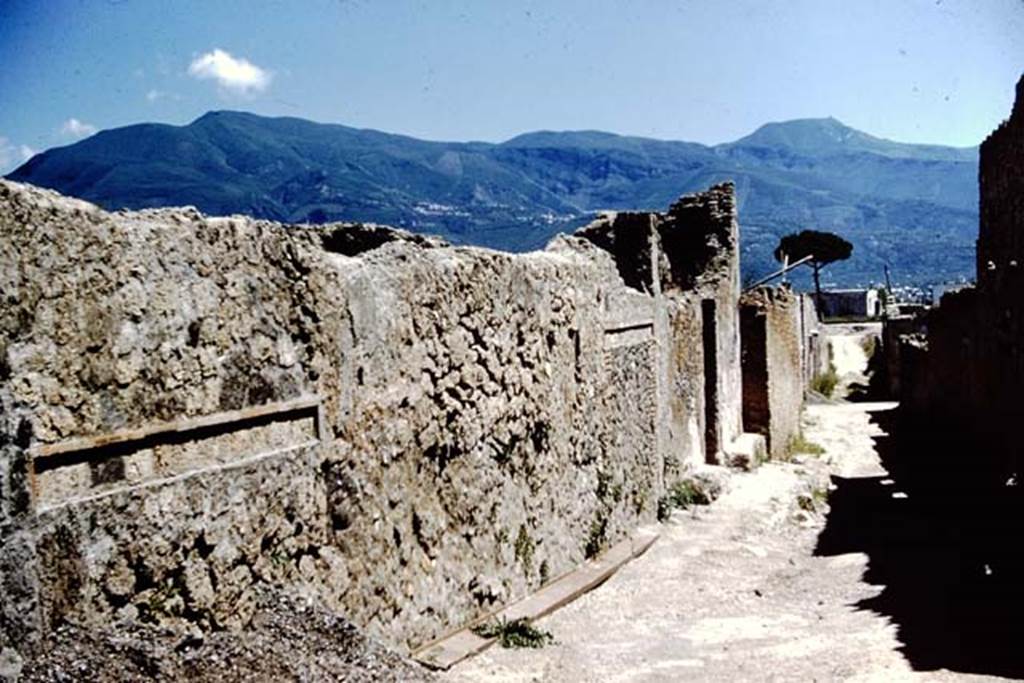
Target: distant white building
(850,303)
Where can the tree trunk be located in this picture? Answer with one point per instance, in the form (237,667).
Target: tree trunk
(817,289)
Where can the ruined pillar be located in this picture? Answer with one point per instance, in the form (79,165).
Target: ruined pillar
(772,359)
(700,243)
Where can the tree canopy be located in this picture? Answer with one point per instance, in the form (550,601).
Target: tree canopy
(823,247)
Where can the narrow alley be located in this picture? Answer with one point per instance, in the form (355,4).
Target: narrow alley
(784,577)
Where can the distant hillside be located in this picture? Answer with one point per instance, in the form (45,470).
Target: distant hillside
(913,206)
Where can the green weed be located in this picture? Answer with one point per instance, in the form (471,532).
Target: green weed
(524,549)
(514,634)
(799,444)
(826,382)
(598,537)
(681,495)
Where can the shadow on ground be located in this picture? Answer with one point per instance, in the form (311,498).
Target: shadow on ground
(877,386)
(945,542)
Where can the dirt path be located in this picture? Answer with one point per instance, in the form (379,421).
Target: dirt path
(849,354)
(734,591)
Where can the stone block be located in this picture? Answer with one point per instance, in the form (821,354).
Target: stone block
(746,451)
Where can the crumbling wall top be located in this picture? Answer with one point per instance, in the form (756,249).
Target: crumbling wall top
(694,243)
(1018,106)
(1015,119)
(626,236)
(700,238)
(764,297)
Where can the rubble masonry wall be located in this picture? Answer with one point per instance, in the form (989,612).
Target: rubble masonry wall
(970,369)
(443,429)
(776,339)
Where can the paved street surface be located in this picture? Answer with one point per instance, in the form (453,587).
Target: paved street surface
(735,591)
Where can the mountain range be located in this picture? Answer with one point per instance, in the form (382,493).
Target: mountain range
(913,207)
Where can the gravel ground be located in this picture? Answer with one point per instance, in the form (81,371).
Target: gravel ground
(289,640)
(735,591)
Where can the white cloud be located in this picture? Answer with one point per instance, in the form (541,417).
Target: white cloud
(235,74)
(12,156)
(6,154)
(155,95)
(73,128)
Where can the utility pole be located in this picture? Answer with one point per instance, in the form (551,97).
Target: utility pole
(769,278)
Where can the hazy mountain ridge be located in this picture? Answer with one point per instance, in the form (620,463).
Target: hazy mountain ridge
(829,136)
(914,206)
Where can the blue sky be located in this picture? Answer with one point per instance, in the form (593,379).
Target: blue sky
(939,71)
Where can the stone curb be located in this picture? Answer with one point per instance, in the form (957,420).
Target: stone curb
(453,648)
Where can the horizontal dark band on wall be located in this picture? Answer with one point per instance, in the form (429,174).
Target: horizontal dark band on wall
(193,424)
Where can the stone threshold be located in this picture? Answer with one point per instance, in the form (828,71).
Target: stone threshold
(451,649)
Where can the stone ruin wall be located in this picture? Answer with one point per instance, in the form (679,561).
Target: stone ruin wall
(693,277)
(894,329)
(817,353)
(410,433)
(1000,254)
(965,365)
(782,351)
(713,274)
(998,344)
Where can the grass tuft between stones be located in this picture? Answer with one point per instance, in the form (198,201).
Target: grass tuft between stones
(800,444)
(680,496)
(518,633)
(815,500)
(826,382)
